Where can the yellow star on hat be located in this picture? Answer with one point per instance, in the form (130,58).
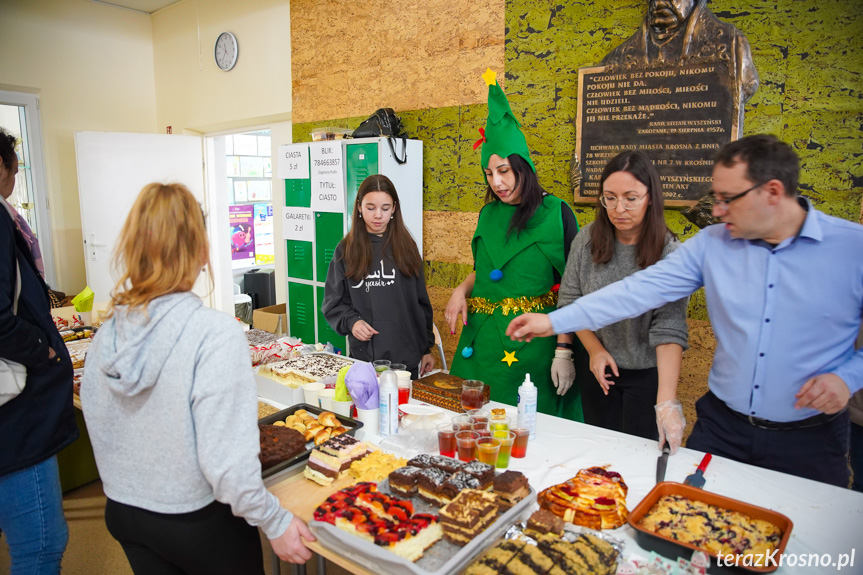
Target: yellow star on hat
(490,77)
(509,358)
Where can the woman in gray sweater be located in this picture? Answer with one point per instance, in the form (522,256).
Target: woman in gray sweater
(634,364)
(171,406)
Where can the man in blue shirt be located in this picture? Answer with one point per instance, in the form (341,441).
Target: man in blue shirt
(784,288)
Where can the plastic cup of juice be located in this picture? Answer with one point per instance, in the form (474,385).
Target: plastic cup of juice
(519,446)
(499,423)
(506,438)
(466,445)
(462,422)
(446,439)
(381,365)
(487,449)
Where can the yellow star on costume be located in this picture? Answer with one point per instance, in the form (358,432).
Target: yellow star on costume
(509,358)
(490,78)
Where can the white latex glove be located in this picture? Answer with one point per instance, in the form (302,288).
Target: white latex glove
(670,423)
(562,370)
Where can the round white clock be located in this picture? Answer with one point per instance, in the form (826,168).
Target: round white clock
(226,51)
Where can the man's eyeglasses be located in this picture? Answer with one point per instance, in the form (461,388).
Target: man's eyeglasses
(629,202)
(724,202)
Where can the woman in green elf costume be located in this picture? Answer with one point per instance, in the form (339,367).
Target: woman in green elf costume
(520,248)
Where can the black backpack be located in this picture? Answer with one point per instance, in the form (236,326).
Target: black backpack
(384,122)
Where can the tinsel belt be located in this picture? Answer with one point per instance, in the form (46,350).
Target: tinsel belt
(509,305)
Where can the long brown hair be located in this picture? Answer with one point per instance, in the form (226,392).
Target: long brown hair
(651,239)
(162,246)
(397,240)
(531,193)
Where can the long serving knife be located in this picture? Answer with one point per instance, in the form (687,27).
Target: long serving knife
(662,463)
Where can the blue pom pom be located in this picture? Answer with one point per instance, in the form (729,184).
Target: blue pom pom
(467,352)
(495,275)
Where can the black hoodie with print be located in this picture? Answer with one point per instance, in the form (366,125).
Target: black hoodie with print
(395,305)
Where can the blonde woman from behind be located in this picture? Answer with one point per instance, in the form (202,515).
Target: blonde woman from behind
(170,403)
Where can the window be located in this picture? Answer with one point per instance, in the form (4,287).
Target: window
(250,197)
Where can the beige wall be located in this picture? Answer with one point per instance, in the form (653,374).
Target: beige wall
(92,67)
(192,94)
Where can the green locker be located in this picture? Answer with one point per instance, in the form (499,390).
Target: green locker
(329,232)
(300,260)
(298,193)
(361,160)
(301,309)
(325,332)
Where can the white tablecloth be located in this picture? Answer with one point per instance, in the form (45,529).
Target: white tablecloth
(827,519)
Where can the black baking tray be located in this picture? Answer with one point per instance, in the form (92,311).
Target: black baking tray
(351,424)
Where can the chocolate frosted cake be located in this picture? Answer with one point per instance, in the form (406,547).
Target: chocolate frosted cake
(403,481)
(279,443)
(544,521)
(430,483)
(458,482)
(553,555)
(482,471)
(511,487)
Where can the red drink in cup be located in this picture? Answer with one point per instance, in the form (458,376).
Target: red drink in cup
(404,394)
(466,445)
(446,439)
(519,446)
(471,394)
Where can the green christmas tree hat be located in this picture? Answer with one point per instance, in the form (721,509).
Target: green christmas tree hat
(502,135)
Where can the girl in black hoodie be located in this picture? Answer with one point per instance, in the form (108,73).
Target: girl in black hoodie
(375,292)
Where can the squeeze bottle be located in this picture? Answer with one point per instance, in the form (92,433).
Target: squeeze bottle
(527,406)
(389,404)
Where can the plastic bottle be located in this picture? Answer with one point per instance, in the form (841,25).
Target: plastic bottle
(527,406)
(389,404)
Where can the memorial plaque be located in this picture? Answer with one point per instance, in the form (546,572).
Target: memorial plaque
(679,115)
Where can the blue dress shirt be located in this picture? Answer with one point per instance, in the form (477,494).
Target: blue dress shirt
(781,315)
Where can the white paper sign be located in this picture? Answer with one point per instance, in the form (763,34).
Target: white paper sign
(328,185)
(294,162)
(298,224)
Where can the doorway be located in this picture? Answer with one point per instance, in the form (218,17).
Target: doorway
(19,115)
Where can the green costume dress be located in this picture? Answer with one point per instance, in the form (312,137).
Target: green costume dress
(520,266)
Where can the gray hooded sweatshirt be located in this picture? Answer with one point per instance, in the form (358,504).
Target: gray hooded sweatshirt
(171,406)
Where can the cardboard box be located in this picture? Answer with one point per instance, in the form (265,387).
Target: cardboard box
(275,391)
(273,319)
(89,317)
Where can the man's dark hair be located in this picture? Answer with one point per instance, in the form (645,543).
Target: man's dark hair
(7,149)
(766,158)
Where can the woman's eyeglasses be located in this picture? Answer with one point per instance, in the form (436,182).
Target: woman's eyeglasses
(629,202)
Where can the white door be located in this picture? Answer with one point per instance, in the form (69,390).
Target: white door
(112,169)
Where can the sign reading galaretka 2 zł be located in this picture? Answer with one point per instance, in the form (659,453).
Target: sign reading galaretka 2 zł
(679,115)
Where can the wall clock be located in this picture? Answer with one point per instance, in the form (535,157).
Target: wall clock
(226,51)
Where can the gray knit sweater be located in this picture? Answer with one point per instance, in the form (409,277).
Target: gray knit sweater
(171,406)
(631,342)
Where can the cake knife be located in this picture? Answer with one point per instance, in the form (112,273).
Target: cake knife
(662,463)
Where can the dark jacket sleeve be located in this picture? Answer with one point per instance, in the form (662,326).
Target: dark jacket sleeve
(337,307)
(20,341)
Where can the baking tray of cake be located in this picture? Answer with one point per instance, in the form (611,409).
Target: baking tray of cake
(351,424)
(442,558)
(673,548)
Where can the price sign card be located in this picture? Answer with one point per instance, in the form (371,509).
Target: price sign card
(294,162)
(328,184)
(298,224)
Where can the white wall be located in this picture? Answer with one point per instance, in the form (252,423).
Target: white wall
(92,66)
(193,94)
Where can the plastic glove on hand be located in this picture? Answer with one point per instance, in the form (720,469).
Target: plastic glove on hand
(562,370)
(670,423)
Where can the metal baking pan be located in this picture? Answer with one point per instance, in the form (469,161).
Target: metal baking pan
(442,558)
(352,424)
(673,549)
